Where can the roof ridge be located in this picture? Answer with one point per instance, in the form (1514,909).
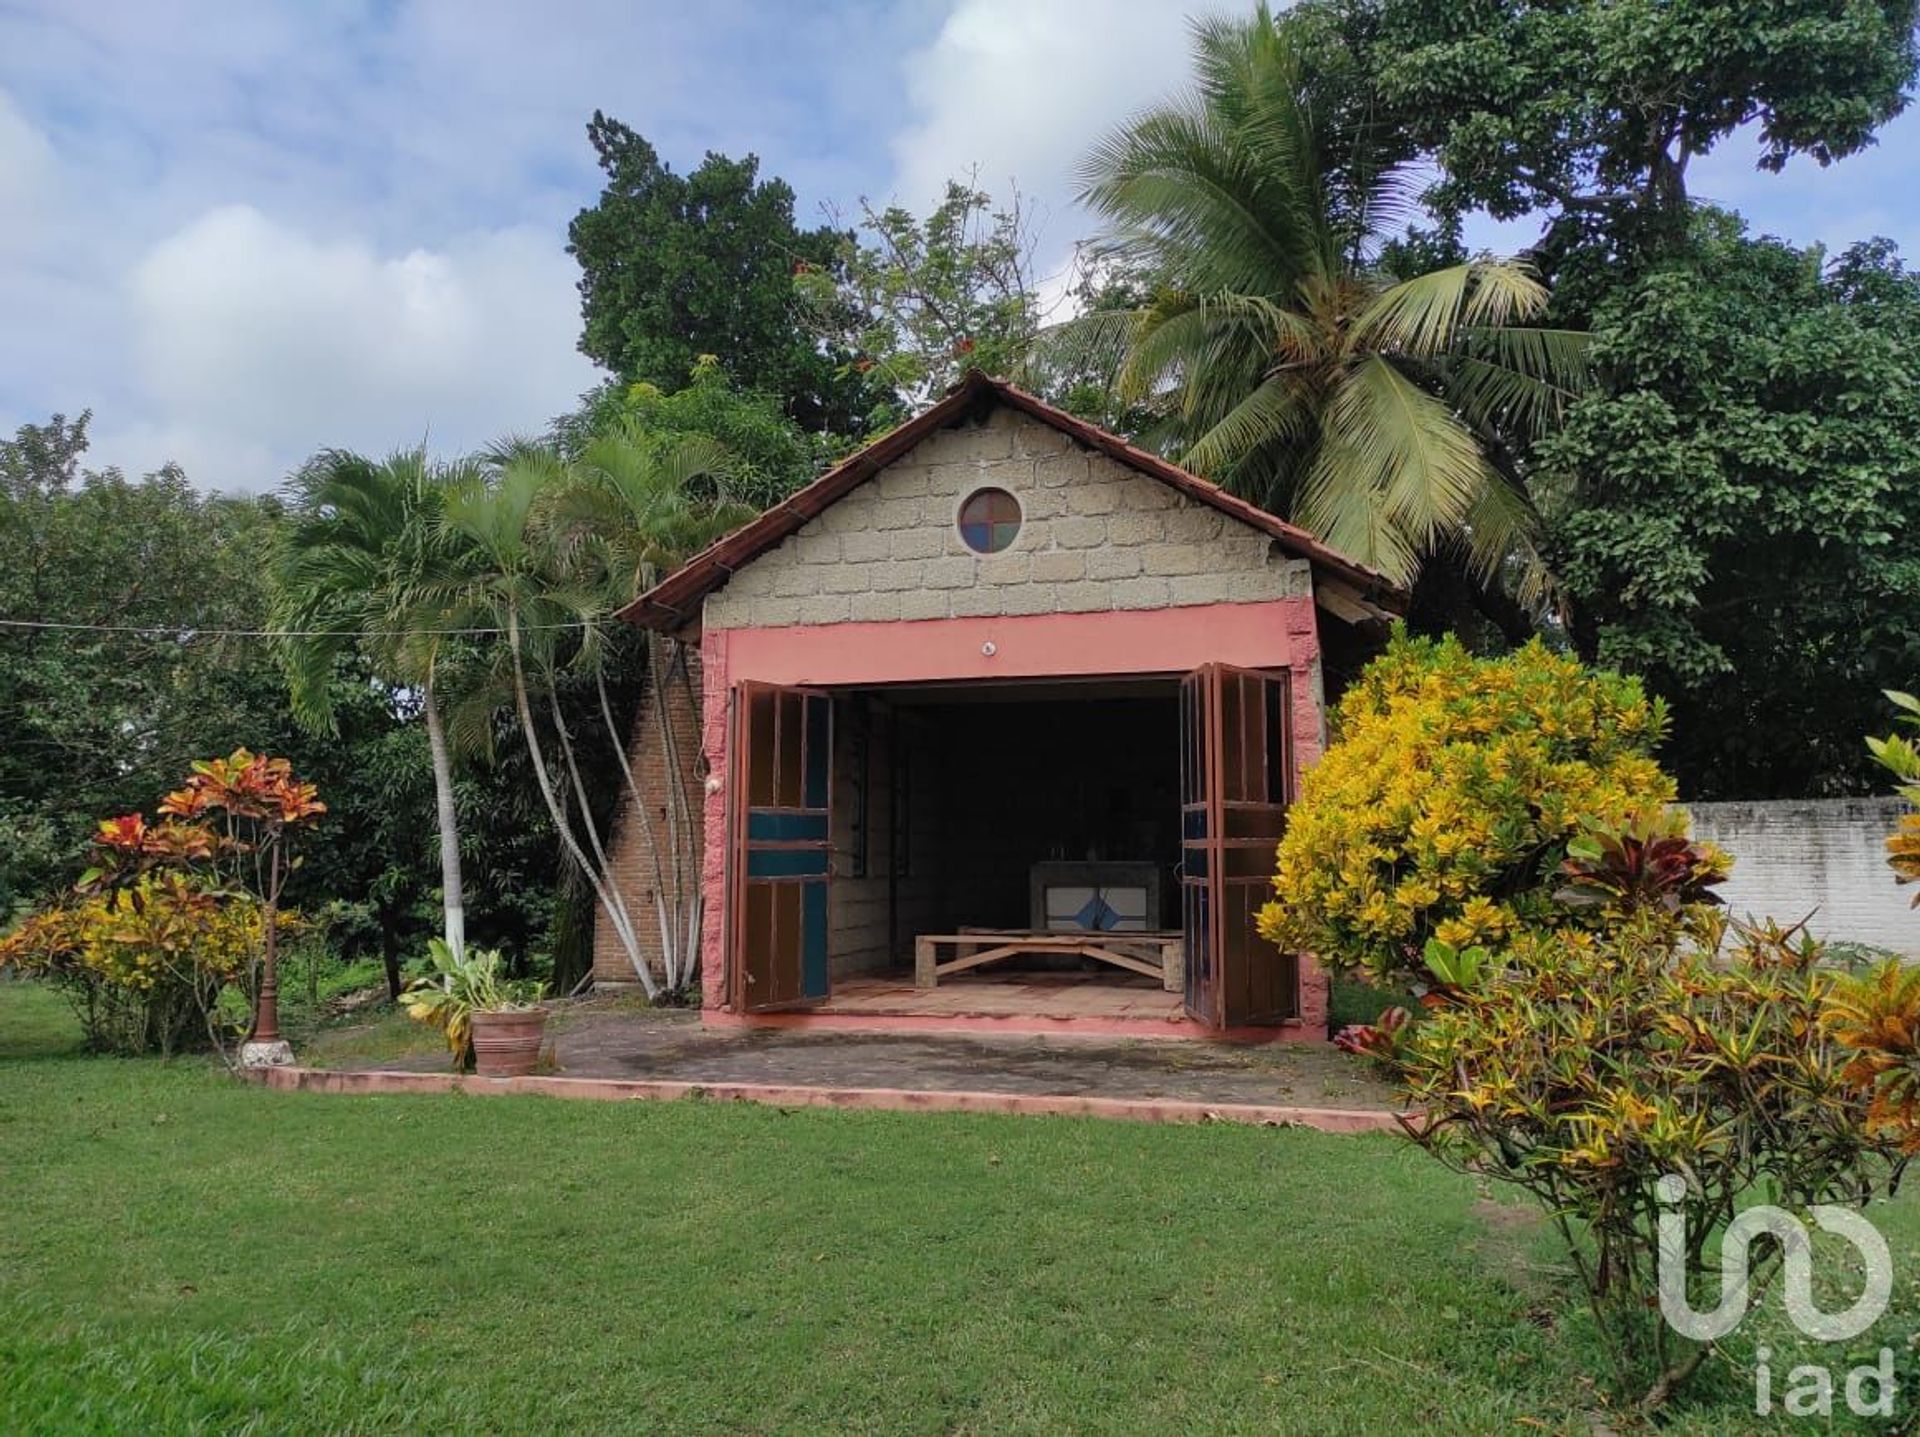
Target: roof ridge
(670,602)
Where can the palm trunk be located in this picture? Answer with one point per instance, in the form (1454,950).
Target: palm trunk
(609,901)
(452,897)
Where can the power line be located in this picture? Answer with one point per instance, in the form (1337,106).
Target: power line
(191,631)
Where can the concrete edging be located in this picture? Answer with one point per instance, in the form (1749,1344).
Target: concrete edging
(1150,1110)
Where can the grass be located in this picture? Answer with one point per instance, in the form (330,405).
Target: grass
(184,1253)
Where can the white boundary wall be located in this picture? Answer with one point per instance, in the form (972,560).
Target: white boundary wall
(1824,856)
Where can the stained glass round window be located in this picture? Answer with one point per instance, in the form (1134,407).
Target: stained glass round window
(989,520)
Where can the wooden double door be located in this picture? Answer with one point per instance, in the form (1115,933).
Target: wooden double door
(1236,768)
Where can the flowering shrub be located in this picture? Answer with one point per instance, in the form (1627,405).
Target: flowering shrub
(142,964)
(1584,1066)
(1447,801)
(169,914)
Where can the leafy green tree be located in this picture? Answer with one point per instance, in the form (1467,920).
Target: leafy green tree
(1590,112)
(917,303)
(152,577)
(769,456)
(673,267)
(97,721)
(355,574)
(1369,407)
(1737,510)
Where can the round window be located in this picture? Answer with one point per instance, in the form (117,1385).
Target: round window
(989,520)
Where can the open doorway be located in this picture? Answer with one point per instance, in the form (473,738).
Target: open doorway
(1001,812)
(1065,848)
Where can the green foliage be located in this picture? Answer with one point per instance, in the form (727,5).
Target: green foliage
(1736,514)
(1592,110)
(1584,1068)
(1447,800)
(916,303)
(1369,407)
(460,985)
(674,267)
(768,455)
(99,722)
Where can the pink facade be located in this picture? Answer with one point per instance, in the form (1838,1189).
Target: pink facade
(1279,634)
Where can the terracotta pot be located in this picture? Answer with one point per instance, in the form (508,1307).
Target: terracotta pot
(507,1045)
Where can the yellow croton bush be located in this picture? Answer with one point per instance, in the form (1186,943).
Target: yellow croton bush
(1447,800)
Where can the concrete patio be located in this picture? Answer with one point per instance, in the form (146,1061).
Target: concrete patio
(613,1048)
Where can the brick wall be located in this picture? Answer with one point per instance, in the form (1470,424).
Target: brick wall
(1094,536)
(633,870)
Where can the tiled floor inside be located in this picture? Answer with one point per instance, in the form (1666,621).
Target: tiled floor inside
(1005,995)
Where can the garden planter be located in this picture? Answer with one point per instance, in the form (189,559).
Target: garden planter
(507,1045)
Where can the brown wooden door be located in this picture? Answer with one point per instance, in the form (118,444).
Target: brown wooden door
(1236,779)
(779,847)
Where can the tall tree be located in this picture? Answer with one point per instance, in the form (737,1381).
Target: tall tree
(145,589)
(673,267)
(1589,112)
(769,456)
(1736,511)
(1290,365)
(167,589)
(918,302)
(356,574)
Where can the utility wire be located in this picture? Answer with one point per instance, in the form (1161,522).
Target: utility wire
(189,631)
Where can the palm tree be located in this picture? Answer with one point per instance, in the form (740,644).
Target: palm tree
(632,511)
(357,570)
(562,546)
(1288,364)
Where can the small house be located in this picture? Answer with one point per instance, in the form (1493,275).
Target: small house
(995,726)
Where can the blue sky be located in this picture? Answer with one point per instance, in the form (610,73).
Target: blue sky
(242,231)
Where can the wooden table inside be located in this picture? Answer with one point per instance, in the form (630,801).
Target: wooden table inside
(978,947)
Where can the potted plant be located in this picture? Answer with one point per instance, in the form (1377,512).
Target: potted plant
(493,1024)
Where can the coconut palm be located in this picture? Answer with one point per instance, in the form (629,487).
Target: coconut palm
(1287,362)
(357,570)
(562,546)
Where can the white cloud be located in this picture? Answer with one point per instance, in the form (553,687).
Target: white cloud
(1023,88)
(260,343)
(26,166)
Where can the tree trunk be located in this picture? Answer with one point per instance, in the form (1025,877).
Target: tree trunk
(609,901)
(451,895)
(390,953)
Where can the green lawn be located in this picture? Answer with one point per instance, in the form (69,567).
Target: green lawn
(180,1252)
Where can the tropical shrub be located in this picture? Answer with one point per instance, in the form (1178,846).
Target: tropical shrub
(168,914)
(143,965)
(462,984)
(1449,798)
(1585,1066)
(1900,756)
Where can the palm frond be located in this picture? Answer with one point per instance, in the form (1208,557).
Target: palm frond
(1500,536)
(1395,470)
(1275,413)
(1424,317)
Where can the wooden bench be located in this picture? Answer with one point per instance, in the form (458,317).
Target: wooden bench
(1153,953)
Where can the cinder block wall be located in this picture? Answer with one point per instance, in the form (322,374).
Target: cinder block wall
(1094,536)
(632,859)
(1822,860)
(862,801)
